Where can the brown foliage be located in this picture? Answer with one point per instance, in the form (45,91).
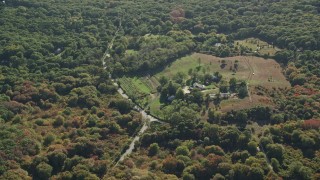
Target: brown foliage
(171,165)
(14,106)
(311,124)
(177,15)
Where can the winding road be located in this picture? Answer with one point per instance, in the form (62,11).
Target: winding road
(147,118)
(106,53)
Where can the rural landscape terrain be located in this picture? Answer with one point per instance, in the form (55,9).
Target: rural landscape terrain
(160,89)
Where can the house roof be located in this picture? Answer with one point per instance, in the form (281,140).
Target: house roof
(198,85)
(171,98)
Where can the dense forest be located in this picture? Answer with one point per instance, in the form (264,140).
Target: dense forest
(61,116)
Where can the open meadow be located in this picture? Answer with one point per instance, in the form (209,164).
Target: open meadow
(255,71)
(238,104)
(258,46)
(267,72)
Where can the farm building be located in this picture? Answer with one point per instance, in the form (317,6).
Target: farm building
(225,95)
(186,90)
(171,98)
(199,86)
(212,96)
(233,95)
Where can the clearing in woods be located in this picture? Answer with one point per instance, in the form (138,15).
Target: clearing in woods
(238,104)
(255,71)
(258,46)
(267,72)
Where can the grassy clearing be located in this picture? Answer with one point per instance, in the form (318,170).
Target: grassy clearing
(134,87)
(181,65)
(154,82)
(211,91)
(256,44)
(131,52)
(138,82)
(139,89)
(208,64)
(238,104)
(210,87)
(263,69)
(254,70)
(155,107)
(150,84)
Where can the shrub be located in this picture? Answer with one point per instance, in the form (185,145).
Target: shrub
(214,149)
(123,105)
(85,111)
(100,114)
(67,111)
(39,122)
(43,171)
(94,109)
(48,139)
(58,121)
(252,147)
(153,149)
(16,120)
(182,150)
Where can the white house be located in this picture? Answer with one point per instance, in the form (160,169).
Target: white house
(199,86)
(225,95)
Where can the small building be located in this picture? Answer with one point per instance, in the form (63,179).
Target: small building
(171,98)
(225,95)
(233,95)
(217,44)
(199,86)
(186,90)
(58,51)
(212,96)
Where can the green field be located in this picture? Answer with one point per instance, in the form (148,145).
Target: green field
(134,87)
(144,91)
(211,91)
(131,52)
(181,65)
(247,65)
(155,107)
(208,64)
(261,47)
(139,89)
(141,85)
